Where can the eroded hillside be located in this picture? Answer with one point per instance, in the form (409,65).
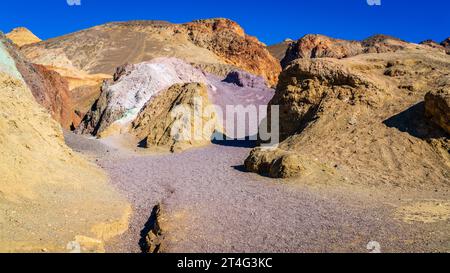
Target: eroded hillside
(49,195)
(362,119)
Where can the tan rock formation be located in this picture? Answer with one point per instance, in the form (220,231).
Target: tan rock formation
(156,123)
(22,36)
(364,117)
(320,46)
(49,195)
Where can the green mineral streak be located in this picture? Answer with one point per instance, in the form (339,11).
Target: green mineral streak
(7,64)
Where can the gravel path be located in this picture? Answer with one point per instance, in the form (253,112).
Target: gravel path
(211,205)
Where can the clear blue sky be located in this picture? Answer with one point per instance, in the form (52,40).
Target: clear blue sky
(271,21)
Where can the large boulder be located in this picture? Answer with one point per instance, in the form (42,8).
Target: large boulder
(50,196)
(177,118)
(276,163)
(305,84)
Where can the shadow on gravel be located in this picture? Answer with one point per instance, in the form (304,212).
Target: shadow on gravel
(240,168)
(149,242)
(414,122)
(239,143)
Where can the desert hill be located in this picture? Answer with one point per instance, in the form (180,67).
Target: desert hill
(22,36)
(102,49)
(362,117)
(51,198)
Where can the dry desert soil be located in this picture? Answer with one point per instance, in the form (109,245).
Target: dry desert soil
(210,204)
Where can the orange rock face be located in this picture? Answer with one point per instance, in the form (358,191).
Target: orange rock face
(228,40)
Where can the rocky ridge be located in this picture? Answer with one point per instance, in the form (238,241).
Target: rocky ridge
(205,42)
(320,46)
(364,118)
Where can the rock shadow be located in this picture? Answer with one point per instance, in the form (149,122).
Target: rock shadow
(247,142)
(151,230)
(240,168)
(414,122)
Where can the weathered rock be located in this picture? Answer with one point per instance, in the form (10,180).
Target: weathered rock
(276,163)
(213,41)
(39,170)
(121,101)
(22,36)
(177,118)
(84,89)
(305,84)
(437,107)
(363,114)
(228,40)
(383,43)
(320,46)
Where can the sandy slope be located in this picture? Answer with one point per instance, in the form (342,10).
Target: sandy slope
(49,195)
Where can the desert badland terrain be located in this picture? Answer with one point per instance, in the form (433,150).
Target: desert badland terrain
(94,159)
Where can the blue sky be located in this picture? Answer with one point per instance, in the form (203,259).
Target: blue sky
(271,21)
